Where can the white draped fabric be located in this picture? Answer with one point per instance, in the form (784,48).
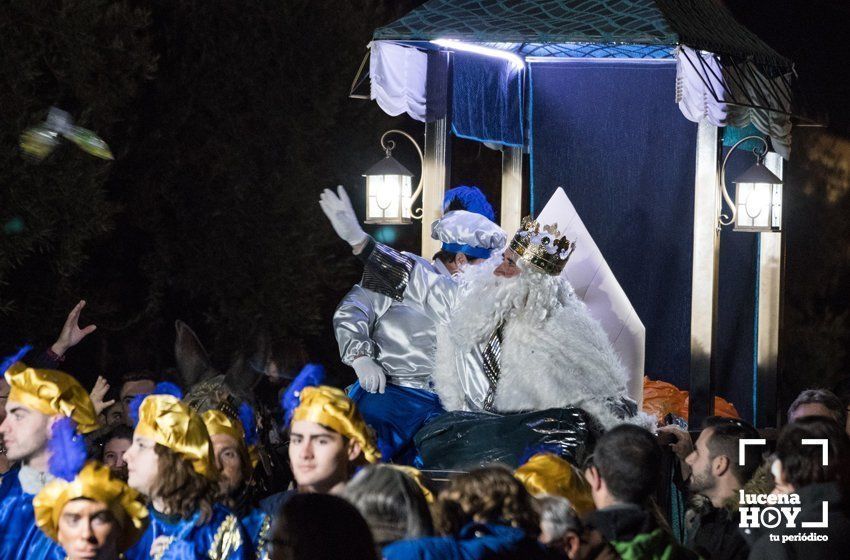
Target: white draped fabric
(696,91)
(398,76)
(399,72)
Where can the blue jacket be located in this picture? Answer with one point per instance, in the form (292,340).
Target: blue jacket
(222,538)
(20,539)
(474,542)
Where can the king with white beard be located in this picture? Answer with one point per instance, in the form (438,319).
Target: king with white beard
(512,336)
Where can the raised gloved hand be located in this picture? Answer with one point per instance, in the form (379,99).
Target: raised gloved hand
(370,373)
(337,207)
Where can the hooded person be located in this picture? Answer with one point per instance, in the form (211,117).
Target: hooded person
(512,335)
(171,462)
(392,346)
(92,516)
(38,398)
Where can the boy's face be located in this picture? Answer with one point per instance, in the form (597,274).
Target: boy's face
(320,457)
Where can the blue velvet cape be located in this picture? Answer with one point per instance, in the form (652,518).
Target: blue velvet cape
(222,538)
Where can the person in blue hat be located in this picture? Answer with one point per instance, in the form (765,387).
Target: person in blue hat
(391,346)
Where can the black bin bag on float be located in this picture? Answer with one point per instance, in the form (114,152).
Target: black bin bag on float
(468,440)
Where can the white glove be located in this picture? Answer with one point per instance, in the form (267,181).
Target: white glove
(370,373)
(338,209)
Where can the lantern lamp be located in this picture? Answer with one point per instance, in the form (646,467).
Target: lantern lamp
(758,195)
(389,190)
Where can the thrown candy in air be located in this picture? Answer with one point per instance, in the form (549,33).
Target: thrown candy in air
(89,142)
(39,141)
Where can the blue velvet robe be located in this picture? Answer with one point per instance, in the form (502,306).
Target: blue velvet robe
(221,538)
(20,539)
(258,526)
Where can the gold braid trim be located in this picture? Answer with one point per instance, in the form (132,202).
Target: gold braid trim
(263,540)
(227,539)
(163,549)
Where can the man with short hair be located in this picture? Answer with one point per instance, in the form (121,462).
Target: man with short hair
(818,402)
(623,474)
(36,399)
(133,384)
(717,475)
(328,439)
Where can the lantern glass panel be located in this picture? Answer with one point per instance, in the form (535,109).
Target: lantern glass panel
(756,203)
(388,199)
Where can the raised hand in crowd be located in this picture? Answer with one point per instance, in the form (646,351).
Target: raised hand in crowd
(72,334)
(98,393)
(682,446)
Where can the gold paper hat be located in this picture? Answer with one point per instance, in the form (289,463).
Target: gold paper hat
(546,473)
(330,407)
(52,393)
(543,247)
(94,482)
(169,422)
(217,423)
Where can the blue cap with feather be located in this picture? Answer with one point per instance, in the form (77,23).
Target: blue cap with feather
(67,449)
(467,225)
(14,358)
(309,376)
(470,199)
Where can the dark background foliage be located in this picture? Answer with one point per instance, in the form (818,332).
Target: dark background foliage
(228,118)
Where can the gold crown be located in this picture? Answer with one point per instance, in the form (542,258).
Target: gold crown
(543,247)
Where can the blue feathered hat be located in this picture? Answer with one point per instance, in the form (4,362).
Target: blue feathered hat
(470,199)
(309,376)
(466,239)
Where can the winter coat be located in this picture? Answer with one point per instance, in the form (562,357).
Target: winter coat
(474,542)
(837,530)
(635,534)
(714,534)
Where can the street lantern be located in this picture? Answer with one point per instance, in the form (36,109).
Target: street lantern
(758,200)
(758,195)
(389,187)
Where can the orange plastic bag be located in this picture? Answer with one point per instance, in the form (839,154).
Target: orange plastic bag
(722,407)
(661,398)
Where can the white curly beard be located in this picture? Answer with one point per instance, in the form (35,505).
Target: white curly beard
(554,354)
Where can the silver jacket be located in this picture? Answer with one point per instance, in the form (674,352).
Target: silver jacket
(436,296)
(399,337)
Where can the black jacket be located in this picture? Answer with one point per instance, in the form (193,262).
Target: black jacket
(714,534)
(837,532)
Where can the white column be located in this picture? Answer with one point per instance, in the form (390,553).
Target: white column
(769,314)
(706,255)
(511,209)
(435,177)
